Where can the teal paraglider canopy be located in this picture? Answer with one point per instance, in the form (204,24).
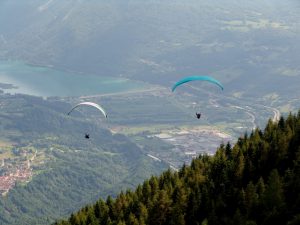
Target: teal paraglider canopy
(193,78)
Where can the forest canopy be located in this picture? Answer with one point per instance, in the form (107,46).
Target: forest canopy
(256,181)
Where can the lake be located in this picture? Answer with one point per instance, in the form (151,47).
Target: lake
(19,77)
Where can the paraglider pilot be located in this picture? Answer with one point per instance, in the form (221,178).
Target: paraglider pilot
(87,136)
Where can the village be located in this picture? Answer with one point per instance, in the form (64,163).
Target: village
(15,169)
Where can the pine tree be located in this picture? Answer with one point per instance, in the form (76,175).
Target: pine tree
(257,181)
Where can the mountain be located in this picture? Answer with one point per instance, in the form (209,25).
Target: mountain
(48,169)
(252,48)
(256,181)
(246,45)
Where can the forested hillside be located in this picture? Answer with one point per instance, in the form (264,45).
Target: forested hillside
(64,171)
(254,182)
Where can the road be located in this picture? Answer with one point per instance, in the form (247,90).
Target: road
(276,112)
(152,89)
(247,109)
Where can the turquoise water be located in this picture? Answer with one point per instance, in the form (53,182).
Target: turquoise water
(46,82)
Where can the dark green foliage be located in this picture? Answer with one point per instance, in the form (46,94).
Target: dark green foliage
(254,182)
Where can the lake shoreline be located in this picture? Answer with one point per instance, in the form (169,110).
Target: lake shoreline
(48,81)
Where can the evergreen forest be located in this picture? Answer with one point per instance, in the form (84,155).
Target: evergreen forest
(255,181)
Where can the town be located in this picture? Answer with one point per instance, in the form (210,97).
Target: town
(15,168)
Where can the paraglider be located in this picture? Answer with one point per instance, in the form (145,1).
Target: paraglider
(194,78)
(90,104)
(95,105)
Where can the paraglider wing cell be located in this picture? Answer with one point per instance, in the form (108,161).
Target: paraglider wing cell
(193,78)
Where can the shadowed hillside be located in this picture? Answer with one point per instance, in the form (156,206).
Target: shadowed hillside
(64,171)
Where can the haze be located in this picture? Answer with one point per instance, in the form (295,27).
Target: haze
(126,55)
